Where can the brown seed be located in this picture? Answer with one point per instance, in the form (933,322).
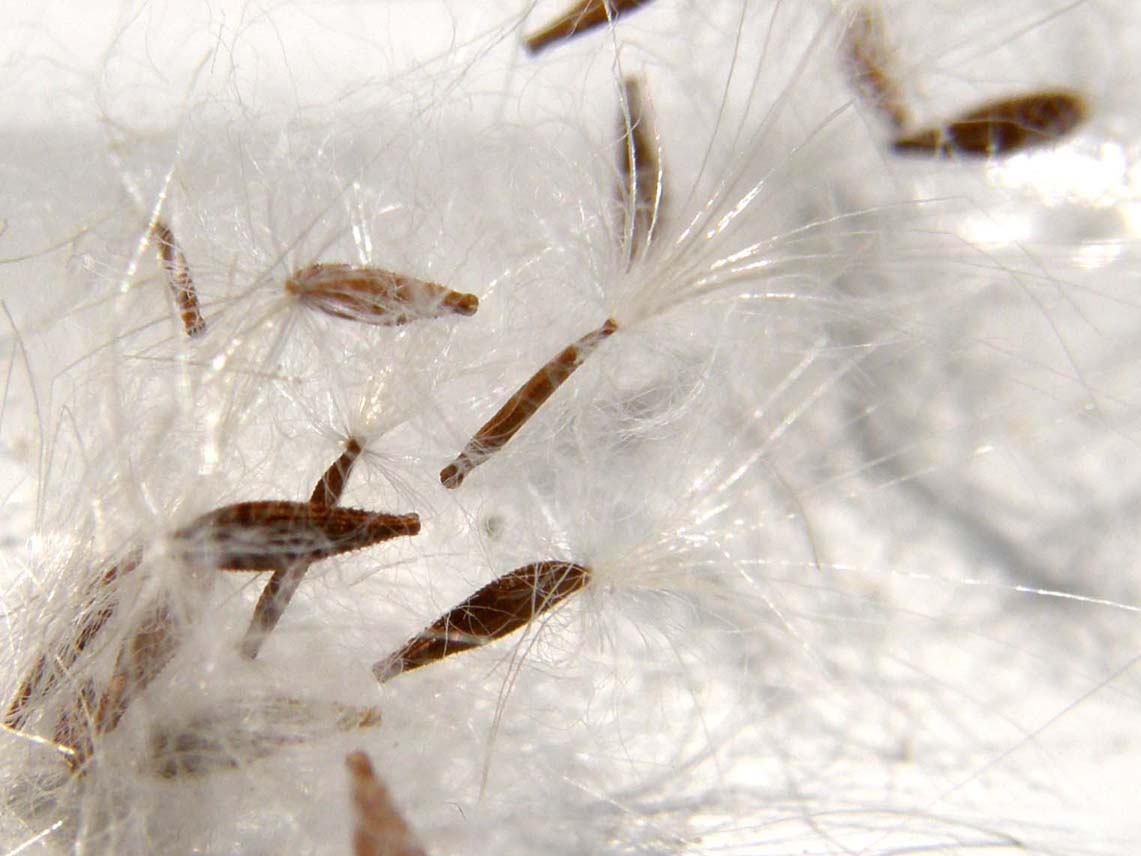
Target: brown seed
(97,611)
(499,608)
(379,830)
(868,66)
(272,535)
(248,729)
(522,405)
(1001,127)
(332,484)
(580,18)
(639,164)
(375,296)
(178,275)
(72,729)
(283,584)
(142,657)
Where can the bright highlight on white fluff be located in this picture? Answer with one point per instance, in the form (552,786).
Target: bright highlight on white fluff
(854,478)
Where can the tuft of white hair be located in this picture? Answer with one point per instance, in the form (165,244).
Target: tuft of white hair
(856,478)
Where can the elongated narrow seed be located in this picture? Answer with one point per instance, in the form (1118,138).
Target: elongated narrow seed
(248,729)
(868,64)
(178,275)
(283,584)
(73,730)
(639,164)
(580,18)
(139,662)
(42,677)
(375,296)
(378,829)
(499,608)
(272,535)
(332,484)
(522,405)
(1001,127)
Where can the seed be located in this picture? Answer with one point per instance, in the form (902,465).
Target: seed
(499,608)
(375,296)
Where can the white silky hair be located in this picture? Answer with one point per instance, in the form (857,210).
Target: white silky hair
(856,478)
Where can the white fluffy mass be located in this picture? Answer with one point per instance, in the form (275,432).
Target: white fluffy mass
(858,477)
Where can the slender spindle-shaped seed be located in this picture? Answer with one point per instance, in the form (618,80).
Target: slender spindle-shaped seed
(580,18)
(283,584)
(1001,127)
(248,729)
(97,611)
(868,63)
(332,483)
(499,608)
(178,275)
(273,535)
(521,406)
(72,729)
(139,662)
(378,829)
(375,296)
(639,164)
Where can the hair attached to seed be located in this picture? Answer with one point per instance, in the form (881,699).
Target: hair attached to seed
(583,17)
(499,608)
(523,404)
(1002,127)
(375,296)
(178,275)
(283,584)
(378,827)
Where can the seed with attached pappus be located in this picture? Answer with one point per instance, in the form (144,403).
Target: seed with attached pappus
(375,296)
(271,535)
(499,608)
(522,405)
(178,275)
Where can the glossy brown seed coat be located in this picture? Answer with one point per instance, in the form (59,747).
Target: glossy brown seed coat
(178,275)
(375,296)
(499,608)
(522,405)
(279,591)
(331,485)
(273,535)
(1001,127)
(580,18)
(379,830)
(639,164)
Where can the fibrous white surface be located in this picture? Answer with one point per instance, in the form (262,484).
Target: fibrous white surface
(857,477)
